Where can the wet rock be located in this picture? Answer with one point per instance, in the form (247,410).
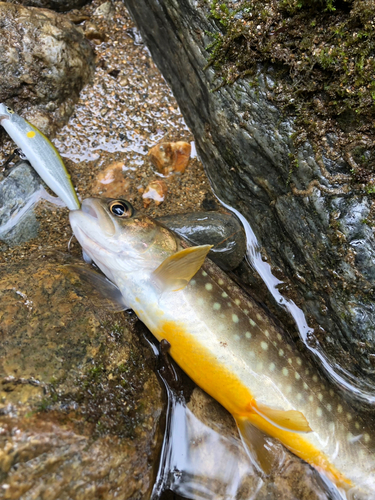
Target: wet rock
(45,61)
(19,191)
(313,219)
(112,182)
(170,156)
(79,403)
(105,10)
(155,191)
(223,230)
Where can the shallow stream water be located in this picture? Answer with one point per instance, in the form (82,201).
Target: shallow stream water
(127,110)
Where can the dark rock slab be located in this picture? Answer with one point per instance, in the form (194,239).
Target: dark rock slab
(79,401)
(44,63)
(312,226)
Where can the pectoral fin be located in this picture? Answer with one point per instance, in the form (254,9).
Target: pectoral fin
(177,270)
(291,420)
(102,292)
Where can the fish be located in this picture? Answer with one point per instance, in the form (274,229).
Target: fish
(227,343)
(42,155)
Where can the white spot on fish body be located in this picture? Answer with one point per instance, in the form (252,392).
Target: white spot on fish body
(299,361)
(264,346)
(252,323)
(221,282)
(311,398)
(319,412)
(329,407)
(349,417)
(331,426)
(236,337)
(204,273)
(224,295)
(266,333)
(285,371)
(246,311)
(297,375)
(216,306)
(315,378)
(271,367)
(320,396)
(248,335)
(367,438)
(357,426)
(281,352)
(339,408)
(193,282)
(279,336)
(259,317)
(237,302)
(229,304)
(208,287)
(305,386)
(200,301)
(235,318)
(290,361)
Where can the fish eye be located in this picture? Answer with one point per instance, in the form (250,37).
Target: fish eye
(121,208)
(10,110)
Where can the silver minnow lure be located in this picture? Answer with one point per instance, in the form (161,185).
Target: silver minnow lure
(42,155)
(227,344)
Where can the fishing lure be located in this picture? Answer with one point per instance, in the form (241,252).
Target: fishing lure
(42,155)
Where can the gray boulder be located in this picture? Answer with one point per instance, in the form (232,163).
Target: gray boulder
(19,192)
(44,63)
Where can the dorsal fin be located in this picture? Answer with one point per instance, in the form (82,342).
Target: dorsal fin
(175,272)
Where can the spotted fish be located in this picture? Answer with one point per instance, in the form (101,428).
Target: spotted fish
(226,343)
(42,155)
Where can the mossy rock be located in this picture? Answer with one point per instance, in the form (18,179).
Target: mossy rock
(79,401)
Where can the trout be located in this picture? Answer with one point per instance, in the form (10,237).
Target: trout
(227,344)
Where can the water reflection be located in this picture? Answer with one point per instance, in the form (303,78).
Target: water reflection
(199,462)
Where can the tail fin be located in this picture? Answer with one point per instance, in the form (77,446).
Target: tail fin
(265,453)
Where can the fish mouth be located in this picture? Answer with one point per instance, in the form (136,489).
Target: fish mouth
(94,211)
(87,207)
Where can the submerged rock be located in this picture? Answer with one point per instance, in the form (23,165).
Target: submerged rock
(222,230)
(311,209)
(45,61)
(19,191)
(79,402)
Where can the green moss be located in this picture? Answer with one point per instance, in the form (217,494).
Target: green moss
(324,75)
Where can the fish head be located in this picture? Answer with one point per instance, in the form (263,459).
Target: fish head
(6,113)
(119,240)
